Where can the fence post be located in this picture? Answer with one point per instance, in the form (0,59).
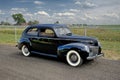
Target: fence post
(15,35)
(85,31)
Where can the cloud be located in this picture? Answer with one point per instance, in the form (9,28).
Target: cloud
(24,1)
(38,2)
(88,16)
(64,14)
(74,10)
(82,18)
(28,14)
(19,9)
(111,15)
(62,5)
(43,13)
(91,17)
(85,4)
(78,2)
(89,4)
(1,12)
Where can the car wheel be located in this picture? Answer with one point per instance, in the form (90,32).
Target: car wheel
(73,58)
(25,51)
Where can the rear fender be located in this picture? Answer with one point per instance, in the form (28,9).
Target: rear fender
(24,41)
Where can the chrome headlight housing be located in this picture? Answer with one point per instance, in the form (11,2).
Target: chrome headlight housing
(85,47)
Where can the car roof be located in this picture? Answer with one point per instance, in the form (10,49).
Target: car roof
(49,25)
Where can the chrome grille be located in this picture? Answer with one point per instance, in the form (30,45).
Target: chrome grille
(94,50)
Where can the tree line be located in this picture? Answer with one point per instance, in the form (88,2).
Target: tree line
(20,20)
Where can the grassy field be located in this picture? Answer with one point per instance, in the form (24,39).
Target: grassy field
(7,35)
(109,36)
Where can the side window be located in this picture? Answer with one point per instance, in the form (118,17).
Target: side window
(32,31)
(47,33)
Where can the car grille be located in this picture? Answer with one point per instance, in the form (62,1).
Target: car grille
(94,50)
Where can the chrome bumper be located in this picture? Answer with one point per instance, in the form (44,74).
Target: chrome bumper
(93,57)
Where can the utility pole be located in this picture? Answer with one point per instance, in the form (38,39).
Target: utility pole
(85,31)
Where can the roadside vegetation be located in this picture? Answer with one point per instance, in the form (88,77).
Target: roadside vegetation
(108,35)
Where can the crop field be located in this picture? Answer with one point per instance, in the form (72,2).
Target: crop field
(108,35)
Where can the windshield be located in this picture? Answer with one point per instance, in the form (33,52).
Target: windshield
(63,31)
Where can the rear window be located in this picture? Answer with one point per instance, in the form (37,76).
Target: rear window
(32,31)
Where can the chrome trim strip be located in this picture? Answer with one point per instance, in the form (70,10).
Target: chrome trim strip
(44,54)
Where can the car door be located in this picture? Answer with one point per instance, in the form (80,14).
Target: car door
(47,42)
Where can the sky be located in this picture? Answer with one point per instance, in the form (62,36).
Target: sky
(64,11)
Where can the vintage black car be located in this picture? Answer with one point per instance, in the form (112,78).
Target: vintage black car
(56,40)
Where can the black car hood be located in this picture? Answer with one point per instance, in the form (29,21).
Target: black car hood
(82,39)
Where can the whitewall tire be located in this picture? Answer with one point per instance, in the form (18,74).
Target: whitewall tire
(25,51)
(73,58)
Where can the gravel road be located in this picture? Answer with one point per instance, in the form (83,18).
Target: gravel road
(14,66)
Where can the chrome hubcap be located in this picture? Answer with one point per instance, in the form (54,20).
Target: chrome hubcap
(73,58)
(26,50)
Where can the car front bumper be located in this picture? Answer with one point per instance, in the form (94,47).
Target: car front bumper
(95,56)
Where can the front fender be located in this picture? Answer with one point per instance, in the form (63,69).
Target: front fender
(81,48)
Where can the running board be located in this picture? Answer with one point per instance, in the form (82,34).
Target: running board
(44,54)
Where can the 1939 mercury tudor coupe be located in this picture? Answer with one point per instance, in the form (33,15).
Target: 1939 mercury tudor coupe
(56,40)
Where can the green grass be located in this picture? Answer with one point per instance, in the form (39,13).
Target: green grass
(111,49)
(7,35)
(109,26)
(109,38)
(101,34)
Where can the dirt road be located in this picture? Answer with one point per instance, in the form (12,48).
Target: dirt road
(14,66)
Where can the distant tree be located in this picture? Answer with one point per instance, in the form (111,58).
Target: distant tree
(5,23)
(30,23)
(84,24)
(36,22)
(2,23)
(19,19)
(33,22)
(57,22)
